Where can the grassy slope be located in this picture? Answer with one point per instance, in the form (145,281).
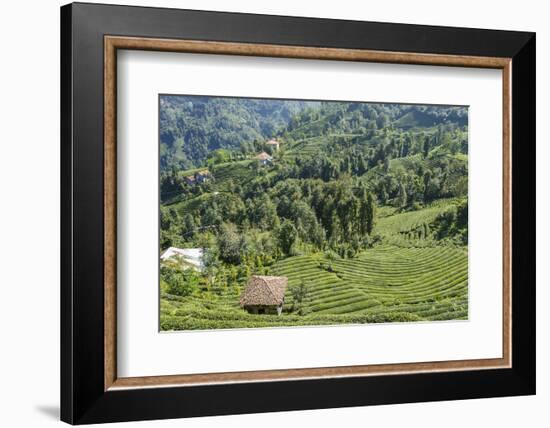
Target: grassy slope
(403,280)
(385,283)
(407,283)
(394,226)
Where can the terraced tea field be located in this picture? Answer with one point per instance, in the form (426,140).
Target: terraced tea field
(411,228)
(384,284)
(237,172)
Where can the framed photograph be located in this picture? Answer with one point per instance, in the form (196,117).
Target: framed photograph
(266,213)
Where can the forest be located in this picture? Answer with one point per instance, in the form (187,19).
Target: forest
(361,206)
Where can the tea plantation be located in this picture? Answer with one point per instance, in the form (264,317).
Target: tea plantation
(386,283)
(362,207)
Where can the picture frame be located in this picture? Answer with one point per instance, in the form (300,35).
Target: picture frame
(91,390)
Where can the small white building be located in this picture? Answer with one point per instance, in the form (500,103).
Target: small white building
(189,257)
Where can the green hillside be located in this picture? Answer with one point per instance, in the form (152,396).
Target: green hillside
(383,284)
(363,208)
(192,126)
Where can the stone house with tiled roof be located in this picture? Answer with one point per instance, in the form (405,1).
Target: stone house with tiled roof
(264,294)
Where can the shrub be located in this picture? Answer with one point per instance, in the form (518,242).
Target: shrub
(179,282)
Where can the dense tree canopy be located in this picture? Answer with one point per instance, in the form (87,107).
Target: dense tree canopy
(339,167)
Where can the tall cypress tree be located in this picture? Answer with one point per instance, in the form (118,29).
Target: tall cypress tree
(371,210)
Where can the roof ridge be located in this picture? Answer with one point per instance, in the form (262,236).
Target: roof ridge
(268,286)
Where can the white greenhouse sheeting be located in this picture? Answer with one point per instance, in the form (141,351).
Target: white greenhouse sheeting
(192,256)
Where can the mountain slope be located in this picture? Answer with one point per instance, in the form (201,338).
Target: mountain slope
(193,126)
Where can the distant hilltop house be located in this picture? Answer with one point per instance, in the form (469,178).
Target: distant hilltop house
(187,257)
(273,143)
(198,177)
(264,294)
(264,158)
